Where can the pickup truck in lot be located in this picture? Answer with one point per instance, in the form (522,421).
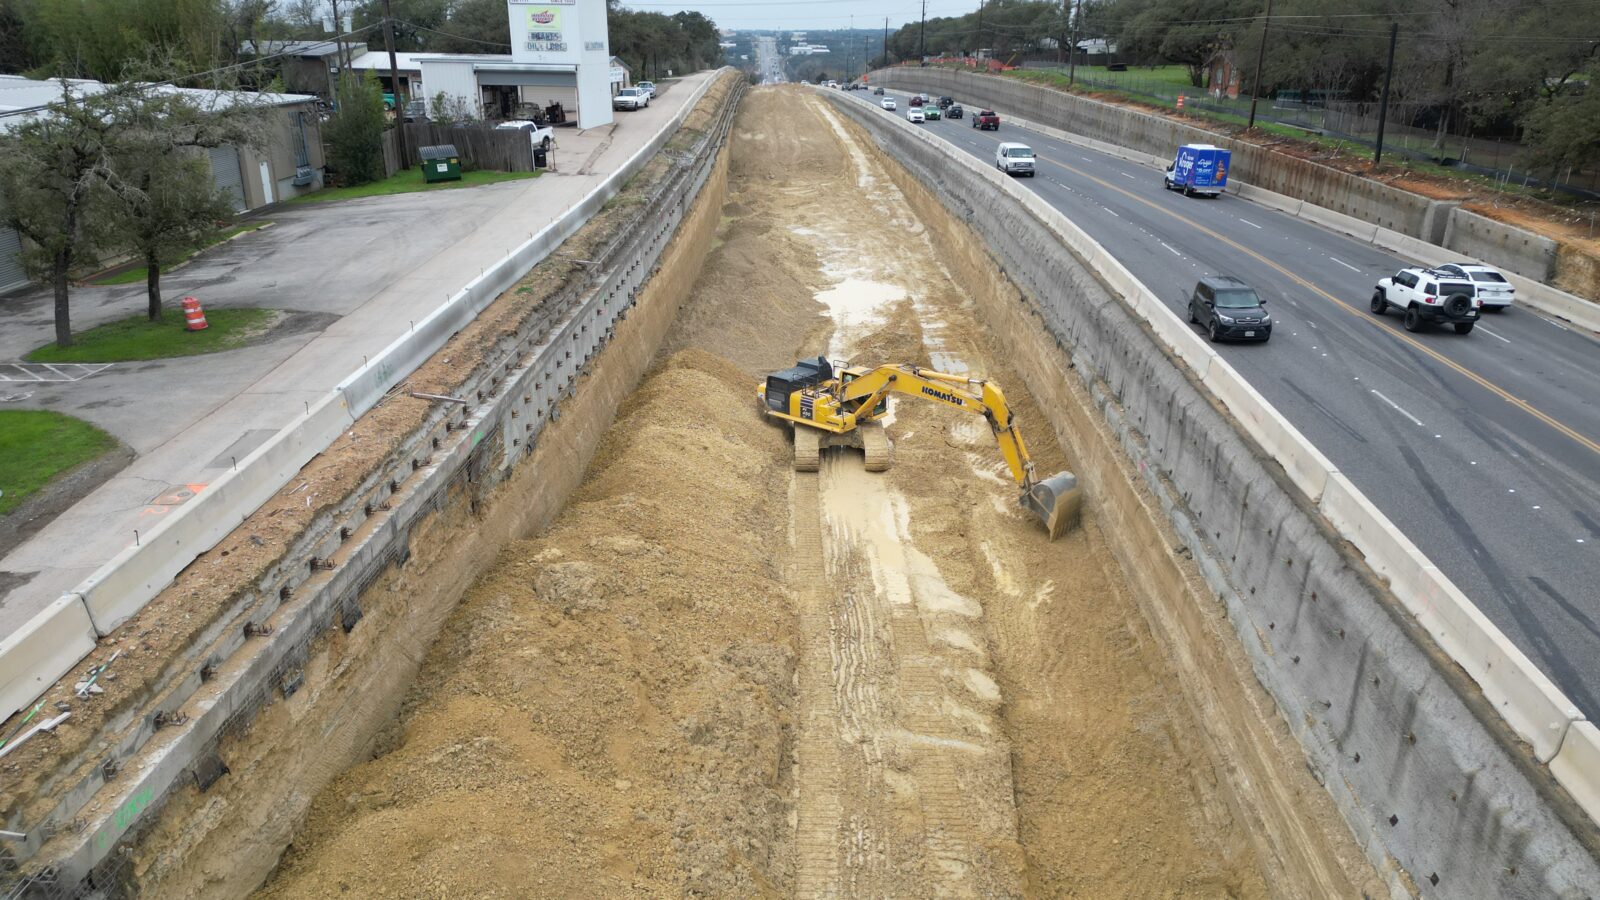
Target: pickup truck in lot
(1427,295)
(631,98)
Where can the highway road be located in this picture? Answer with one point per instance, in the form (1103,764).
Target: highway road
(1484,448)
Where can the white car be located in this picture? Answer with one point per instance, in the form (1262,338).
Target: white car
(915,115)
(649,87)
(1494,290)
(541,135)
(631,98)
(888,103)
(1014,159)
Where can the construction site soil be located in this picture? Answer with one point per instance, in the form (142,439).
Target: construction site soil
(714,676)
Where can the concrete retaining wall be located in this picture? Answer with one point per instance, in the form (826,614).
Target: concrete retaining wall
(1440,792)
(1528,254)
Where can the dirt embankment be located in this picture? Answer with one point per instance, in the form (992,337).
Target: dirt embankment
(715,676)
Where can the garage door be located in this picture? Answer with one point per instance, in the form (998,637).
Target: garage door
(225,173)
(11,274)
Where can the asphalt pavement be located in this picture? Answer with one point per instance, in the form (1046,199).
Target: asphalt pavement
(1484,449)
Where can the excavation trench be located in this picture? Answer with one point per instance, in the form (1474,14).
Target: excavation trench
(712,675)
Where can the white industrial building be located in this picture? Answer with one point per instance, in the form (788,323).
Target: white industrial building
(559,54)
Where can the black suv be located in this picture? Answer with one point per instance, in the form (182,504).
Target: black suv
(946,101)
(1228,308)
(954,111)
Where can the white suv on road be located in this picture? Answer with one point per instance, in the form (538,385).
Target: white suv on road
(1494,289)
(630,98)
(1014,159)
(1427,295)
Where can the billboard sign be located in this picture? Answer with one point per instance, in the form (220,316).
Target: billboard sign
(545,31)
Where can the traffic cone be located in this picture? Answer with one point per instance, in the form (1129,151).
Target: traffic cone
(194,318)
(1180,101)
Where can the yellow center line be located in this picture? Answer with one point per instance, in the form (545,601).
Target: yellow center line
(1502,393)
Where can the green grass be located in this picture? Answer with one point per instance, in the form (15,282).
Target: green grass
(137,338)
(137,273)
(37,445)
(407,182)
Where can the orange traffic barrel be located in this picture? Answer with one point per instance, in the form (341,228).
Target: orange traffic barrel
(194,318)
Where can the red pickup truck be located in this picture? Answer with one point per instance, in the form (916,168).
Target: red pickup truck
(986,120)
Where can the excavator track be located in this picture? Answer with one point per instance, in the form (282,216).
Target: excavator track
(807,449)
(879,449)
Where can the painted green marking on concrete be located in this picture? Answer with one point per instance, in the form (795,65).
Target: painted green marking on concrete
(125,817)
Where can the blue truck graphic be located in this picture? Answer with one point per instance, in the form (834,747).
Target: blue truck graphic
(1199,169)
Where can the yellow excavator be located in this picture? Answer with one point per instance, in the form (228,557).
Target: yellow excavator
(833,406)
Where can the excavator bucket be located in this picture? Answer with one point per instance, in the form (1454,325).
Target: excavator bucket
(1057,501)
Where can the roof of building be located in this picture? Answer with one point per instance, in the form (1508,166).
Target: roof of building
(21,98)
(299,48)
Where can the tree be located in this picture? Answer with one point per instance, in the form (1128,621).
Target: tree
(53,189)
(1187,32)
(167,203)
(354,135)
(1564,130)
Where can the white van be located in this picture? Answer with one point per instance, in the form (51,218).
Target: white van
(1014,159)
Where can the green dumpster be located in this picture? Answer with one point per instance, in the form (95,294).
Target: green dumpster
(440,163)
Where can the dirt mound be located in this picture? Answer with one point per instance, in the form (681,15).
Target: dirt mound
(607,712)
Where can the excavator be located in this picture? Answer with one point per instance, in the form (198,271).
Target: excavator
(831,405)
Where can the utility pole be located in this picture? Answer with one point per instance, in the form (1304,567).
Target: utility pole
(1261,55)
(338,40)
(1383,100)
(850,51)
(886,42)
(922,38)
(978,48)
(1072,51)
(394,87)
(1061,40)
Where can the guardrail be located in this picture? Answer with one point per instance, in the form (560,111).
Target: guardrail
(49,645)
(1529,703)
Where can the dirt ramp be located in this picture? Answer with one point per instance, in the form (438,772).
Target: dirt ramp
(607,713)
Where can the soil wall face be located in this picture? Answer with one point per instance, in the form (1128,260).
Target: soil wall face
(225,841)
(1438,801)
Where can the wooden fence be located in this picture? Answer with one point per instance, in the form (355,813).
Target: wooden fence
(480,147)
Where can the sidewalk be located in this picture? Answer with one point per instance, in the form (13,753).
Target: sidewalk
(353,276)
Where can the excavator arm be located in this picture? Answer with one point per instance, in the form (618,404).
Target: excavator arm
(1055,500)
(979,397)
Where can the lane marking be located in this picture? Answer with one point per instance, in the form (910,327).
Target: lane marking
(1567,430)
(1491,334)
(1169,247)
(1398,409)
(1345,264)
(1248,222)
(1107,209)
(1126,175)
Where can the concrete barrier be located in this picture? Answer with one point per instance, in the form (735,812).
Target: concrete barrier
(1394,734)
(45,648)
(121,587)
(1577,767)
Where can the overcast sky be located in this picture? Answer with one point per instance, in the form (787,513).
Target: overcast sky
(800,15)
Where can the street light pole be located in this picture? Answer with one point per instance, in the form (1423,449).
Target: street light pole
(1383,101)
(1261,55)
(1072,51)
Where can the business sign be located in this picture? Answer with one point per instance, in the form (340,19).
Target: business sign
(544,30)
(617,75)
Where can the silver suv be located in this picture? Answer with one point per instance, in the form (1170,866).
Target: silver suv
(1429,295)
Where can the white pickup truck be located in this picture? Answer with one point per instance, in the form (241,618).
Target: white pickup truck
(541,135)
(631,98)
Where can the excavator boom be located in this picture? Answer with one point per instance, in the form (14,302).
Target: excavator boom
(841,401)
